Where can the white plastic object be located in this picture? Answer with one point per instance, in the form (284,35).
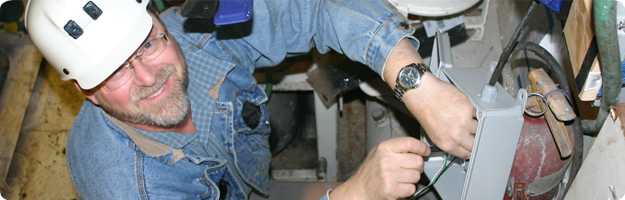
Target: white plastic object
(489,94)
(369,90)
(100,44)
(433,8)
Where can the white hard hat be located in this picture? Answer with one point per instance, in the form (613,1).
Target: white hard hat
(87,40)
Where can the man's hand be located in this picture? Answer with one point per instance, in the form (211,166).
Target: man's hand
(447,116)
(390,171)
(444,112)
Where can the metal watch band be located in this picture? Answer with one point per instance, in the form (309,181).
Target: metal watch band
(399,90)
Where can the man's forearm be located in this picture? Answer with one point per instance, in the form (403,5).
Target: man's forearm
(434,103)
(402,54)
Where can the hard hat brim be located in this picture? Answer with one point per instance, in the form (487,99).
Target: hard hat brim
(118,56)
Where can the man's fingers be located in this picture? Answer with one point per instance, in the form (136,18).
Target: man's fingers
(467,139)
(473,112)
(408,145)
(460,152)
(408,176)
(411,161)
(473,127)
(467,143)
(405,190)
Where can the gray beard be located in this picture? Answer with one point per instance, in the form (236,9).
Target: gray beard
(171,112)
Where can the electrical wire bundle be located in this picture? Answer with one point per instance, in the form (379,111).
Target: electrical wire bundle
(446,164)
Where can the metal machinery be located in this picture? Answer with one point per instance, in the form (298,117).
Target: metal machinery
(500,119)
(498,167)
(489,173)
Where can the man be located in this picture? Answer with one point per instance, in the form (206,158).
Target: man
(163,116)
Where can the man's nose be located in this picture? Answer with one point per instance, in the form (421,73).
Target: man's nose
(145,75)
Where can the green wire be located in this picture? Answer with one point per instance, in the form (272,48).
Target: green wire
(441,171)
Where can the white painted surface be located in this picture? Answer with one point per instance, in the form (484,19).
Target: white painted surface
(433,8)
(603,167)
(281,190)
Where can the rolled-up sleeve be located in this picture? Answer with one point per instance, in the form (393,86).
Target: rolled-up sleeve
(363,30)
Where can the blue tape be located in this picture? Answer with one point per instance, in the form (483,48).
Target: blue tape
(553,5)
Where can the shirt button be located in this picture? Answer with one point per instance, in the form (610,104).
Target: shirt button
(404,25)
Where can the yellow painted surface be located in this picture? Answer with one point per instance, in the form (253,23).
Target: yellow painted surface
(39,170)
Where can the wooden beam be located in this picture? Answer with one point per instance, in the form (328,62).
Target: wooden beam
(24,63)
(578,32)
(578,35)
(555,99)
(541,83)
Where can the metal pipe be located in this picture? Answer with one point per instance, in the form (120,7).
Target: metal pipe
(605,31)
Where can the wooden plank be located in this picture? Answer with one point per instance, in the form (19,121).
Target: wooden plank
(578,32)
(540,82)
(24,62)
(555,99)
(578,35)
(560,134)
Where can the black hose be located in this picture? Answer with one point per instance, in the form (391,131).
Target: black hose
(512,43)
(551,65)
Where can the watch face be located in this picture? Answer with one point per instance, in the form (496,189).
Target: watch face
(409,77)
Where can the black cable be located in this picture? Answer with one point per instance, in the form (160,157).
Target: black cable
(551,65)
(512,43)
(523,83)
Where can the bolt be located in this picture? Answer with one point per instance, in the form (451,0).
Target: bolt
(346,82)
(378,115)
(621,25)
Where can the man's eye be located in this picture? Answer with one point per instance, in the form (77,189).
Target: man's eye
(147,45)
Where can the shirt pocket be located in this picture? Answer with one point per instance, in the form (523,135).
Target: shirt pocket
(190,178)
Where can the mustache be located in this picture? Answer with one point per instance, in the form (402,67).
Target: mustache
(142,92)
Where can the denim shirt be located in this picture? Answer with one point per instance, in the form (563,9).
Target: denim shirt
(224,159)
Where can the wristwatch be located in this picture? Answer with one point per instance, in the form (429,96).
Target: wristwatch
(409,77)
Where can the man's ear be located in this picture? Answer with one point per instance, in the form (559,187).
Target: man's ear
(89,94)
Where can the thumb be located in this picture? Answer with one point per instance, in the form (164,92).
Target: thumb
(408,145)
